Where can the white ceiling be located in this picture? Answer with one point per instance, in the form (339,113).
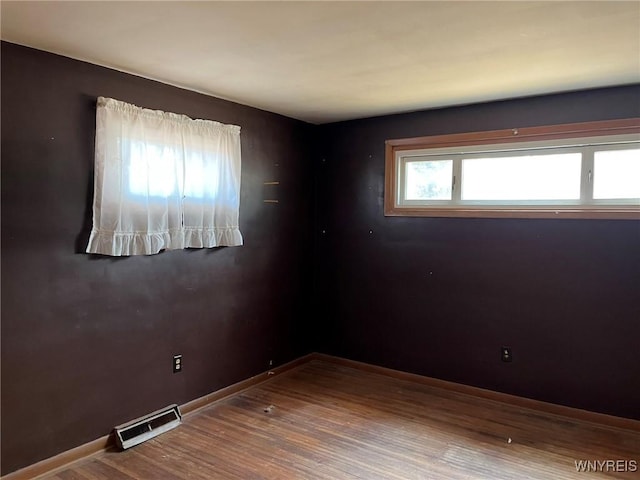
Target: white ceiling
(327,61)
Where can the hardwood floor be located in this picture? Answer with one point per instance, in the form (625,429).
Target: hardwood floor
(329,421)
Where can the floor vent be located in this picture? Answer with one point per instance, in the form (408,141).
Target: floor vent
(142,429)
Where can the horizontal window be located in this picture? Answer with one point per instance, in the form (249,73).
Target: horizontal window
(568,171)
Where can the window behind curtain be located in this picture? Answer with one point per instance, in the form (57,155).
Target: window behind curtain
(163,181)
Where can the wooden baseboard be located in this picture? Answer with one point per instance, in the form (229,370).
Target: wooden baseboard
(49,465)
(206,400)
(522,402)
(107,442)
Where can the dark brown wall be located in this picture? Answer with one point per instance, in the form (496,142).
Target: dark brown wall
(87,342)
(439,296)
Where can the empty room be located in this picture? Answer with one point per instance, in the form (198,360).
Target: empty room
(320,240)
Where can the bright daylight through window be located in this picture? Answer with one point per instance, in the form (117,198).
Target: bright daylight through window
(567,171)
(163,181)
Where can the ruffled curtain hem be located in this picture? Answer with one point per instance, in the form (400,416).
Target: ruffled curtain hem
(119,244)
(208,237)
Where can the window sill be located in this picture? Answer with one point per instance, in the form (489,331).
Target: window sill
(535,212)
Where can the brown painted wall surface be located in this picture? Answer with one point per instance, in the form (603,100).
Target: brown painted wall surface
(440,296)
(87,342)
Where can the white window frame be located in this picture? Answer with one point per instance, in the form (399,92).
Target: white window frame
(583,138)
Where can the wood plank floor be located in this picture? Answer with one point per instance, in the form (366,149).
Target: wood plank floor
(327,421)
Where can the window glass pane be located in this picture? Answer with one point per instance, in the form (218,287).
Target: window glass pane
(522,178)
(153,169)
(201,175)
(616,174)
(428,180)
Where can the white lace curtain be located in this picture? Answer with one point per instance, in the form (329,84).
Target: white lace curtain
(163,181)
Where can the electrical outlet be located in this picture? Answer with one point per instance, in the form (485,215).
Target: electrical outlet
(177,363)
(506,354)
